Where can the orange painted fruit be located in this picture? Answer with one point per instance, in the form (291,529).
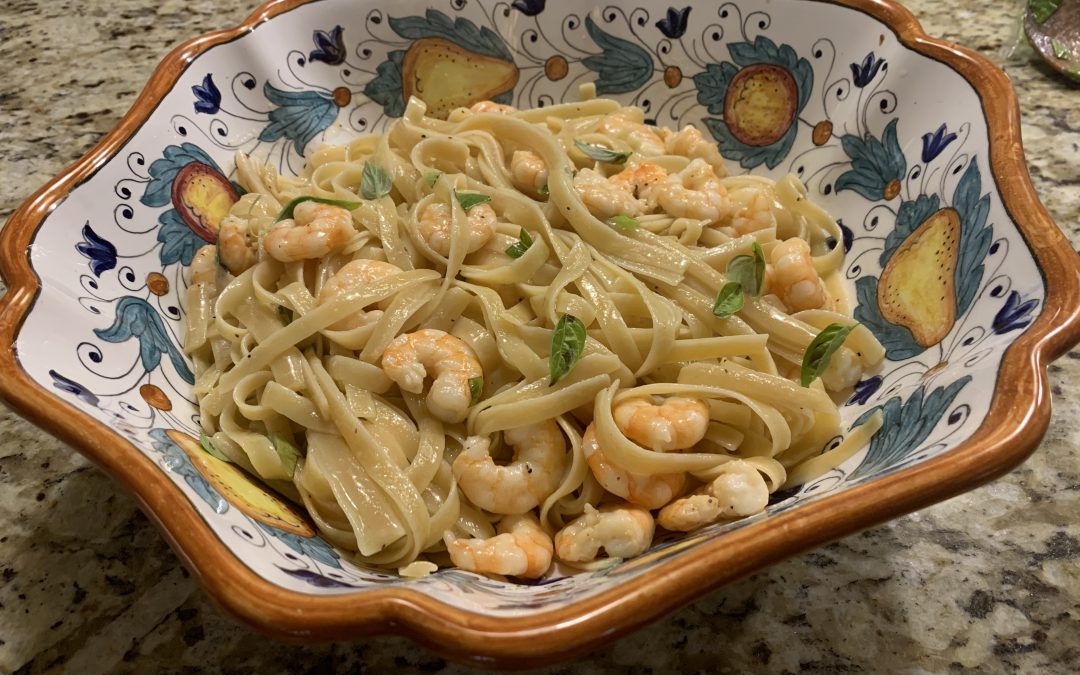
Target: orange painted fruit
(202,197)
(760,104)
(446,76)
(241,490)
(917,288)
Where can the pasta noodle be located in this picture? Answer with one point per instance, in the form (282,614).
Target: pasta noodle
(512,336)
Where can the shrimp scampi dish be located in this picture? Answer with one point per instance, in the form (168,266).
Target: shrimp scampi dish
(523,342)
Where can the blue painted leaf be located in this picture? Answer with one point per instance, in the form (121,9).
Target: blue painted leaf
(933,144)
(178,242)
(847,234)
(1014,314)
(177,461)
(100,251)
(975,235)
(315,579)
(72,387)
(207,96)
(864,389)
(621,67)
(898,341)
(313,547)
(136,318)
(673,25)
(163,171)
(749,156)
(905,427)
(461,32)
(529,7)
(300,115)
(874,163)
(329,46)
(385,88)
(909,217)
(864,73)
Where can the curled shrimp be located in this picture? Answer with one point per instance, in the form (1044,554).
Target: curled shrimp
(752,211)
(523,484)
(641,137)
(521,549)
(236,245)
(528,172)
(352,277)
(738,492)
(649,491)
(792,277)
(605,199)
(313,232)
(435,226)
(689,142)
(642,180)
(409,358)
(695,192)
(619,530)
(676,424)
(492,106)
(204,266)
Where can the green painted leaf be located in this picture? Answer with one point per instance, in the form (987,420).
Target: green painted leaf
(137,318)
(816,357)
(163,171)
(623,222)
(385,88)
(729,300)
(287,212)
(621,67)
(432,177)
(749,271)
(288,453)
(567,345)
(476,388)
(471,199)
(517,249)
(602,154)
(300,115)
(461,32)
(1041,10)
(975,235)
(874,163)
(211,449)
(178,242)
(898,341)
(909,217)
(375,182)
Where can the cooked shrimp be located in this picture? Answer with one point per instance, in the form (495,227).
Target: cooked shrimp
(605,199)
(676,424)
(752,210)
(204,266)
(648,491)
(738,492)
(352,277)
(523,484)
(492,106)
(695,192)
(314,231)
(619,530)
(435,224)
(528,171)
(792,276)
(642,180)
(641,137)
(236,245)
(521,549)
(692,144)
(411,356)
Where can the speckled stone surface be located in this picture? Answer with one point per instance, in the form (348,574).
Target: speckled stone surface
(989,580)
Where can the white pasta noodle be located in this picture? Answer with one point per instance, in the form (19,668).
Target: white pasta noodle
(390,364)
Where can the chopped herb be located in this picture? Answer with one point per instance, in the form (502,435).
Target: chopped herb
(1041,10)
(517,249)
(1060,50)
(602,154)
(287,212)
(749,271)
(288,453)
(211,449)
(624,222)
(543,191)
(375,183)
(432,177)
(567,345)
(471,199)
(816,357)
(729,300)
(285,313)
(476,388)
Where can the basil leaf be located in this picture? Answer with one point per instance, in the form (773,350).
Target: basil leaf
(288,453)
(287,212)
(624,222)
(211,449)
(476,388)
(518,249)
(432,177)
(602,154)
(1041,10)
(749,271)
(567,345)
(375,183)
(471,199)
(285,313)
(729,300)
(816,357)
(543,191)
(1060,50)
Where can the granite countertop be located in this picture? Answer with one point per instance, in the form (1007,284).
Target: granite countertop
(989,580)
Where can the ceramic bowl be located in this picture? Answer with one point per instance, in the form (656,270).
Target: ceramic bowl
(902,137)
